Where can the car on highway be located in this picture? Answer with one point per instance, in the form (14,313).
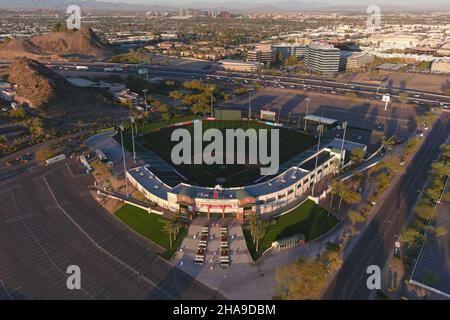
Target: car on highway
(12,163)
(27,157)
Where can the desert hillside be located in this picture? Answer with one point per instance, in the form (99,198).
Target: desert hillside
(44,89)
(79,44)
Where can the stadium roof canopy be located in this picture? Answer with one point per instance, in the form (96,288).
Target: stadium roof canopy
(319,119)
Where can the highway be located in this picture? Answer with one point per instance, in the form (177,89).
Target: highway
(288,81)
(377,242)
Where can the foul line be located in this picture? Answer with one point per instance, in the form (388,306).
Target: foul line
(106,252)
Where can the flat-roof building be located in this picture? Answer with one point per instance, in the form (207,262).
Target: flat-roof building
(323,59)
(287,50)
(440,66)
(354,60)
(240,65)
(262,53)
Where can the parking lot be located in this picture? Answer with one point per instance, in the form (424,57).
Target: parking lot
(364,114)
(49,221)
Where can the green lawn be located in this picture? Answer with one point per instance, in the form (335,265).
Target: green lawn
(308,219)
(291,144)
(150,226)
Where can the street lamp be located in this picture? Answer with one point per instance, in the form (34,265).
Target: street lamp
(307,110)
(124,162)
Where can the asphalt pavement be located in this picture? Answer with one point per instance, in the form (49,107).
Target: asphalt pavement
(377,243)
(49,221)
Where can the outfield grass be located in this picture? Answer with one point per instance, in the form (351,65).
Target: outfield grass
(150,226)
(308,219)
(291,144)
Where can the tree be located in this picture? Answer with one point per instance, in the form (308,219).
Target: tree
(43,154)
(353,97)
(440,231)
(59,26)
(291,61)
(411,236)
(355,217)
(403,98)
(306,277)
(441,169)
(176,95)
(392,164)
(434,193)
(445,151)
(166,116)
(258,234)
(301,280)
(17,113)
(357,155)
(424,210)
(169,230)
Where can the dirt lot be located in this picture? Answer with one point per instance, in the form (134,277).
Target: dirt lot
(424,82)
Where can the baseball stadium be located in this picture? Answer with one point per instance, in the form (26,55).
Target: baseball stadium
(235,190)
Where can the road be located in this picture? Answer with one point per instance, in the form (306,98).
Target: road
(48,221)
(377,243)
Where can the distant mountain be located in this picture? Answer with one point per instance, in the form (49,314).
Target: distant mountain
(58,5)
(231,5)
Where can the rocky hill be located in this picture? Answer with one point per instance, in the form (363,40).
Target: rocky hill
(78,44)
(44,89)
(37,84)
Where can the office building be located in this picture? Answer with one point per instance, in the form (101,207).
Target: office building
(323,59)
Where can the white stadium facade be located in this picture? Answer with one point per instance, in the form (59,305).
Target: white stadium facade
(293,184)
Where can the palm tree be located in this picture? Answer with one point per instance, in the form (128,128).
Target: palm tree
(169,229)
(253,220)
(387,143)
(259,234)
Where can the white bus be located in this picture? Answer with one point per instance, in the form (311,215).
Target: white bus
(50,161)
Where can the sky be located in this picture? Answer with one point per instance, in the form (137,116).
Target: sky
(332,2)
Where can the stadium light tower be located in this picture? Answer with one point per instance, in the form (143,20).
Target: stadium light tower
(344,126)
(212,107)
(250,92)
(319,131)
(132,137)
(124,162)
(307,110)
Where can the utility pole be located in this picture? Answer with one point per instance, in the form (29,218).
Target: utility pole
(132,138)
(124,162)
(319,130)
(307,110)
(344,126)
